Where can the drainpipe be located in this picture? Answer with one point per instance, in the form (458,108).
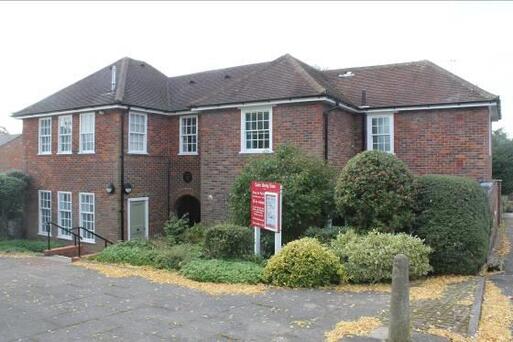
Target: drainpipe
(122,176)
(326,123)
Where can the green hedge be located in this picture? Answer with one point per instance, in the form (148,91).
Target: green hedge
(369,258)
(303,263)
(37,246)
(223,271)
(375,190)
(226,241)
(454,219)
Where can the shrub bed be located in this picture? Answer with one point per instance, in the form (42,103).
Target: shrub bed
(375,190)
(147,253)
(303,263)
(369,258)
(454,219)
(223,271)
(228,241)
(325,235)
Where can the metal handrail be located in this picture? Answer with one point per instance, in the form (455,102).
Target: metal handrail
(69,230)
(105,240)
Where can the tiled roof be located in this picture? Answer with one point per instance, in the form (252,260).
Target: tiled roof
(5,138)
(139,84)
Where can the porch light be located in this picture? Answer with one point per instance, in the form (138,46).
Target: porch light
(128,188)
(110,188)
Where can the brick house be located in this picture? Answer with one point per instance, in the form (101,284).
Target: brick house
(11,152)
(121,149)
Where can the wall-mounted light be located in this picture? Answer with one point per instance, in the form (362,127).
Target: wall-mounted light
(110,188)
(128,188)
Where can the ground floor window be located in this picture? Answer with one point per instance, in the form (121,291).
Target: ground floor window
(87,219)
(64,214)
(45,211)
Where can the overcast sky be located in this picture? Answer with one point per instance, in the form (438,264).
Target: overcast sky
(47,46)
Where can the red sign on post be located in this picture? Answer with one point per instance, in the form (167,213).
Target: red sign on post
(266,205)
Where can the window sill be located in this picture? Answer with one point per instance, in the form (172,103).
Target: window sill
(43,234)
(64,237)
(86,152)
(255,151)
(188,153)
(64,153)
(139,153)
(88,241)
(45,154)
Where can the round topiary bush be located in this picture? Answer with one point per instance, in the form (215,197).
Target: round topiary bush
(376,190)
(228,241)
(303,263)
(307,189)
(454,219)
(369,258)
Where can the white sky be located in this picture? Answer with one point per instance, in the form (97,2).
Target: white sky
(47,46)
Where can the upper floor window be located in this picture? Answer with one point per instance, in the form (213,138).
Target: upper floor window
(256,130)
(137,127)
(45,211)
(87,126)
(380,132)
(45,136)
(65,129)
(189,134)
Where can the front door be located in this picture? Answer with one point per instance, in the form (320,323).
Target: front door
(137,218)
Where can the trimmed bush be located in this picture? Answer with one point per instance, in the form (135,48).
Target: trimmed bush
(225,241)
(454,219)
(325,235)
(223,271)
(369,258)
(307,189)
(303,263)
(194,234)
(375,190)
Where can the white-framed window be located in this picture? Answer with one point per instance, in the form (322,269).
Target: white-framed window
(65,134)
(45,210)
(380,132)
(45,136)
(64,214)
(87,136)
(137,127)
(256,130)
(189,134)
(87,216)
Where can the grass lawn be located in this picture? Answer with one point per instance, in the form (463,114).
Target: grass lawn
(26,246)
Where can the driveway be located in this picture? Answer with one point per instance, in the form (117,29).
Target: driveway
(48,299)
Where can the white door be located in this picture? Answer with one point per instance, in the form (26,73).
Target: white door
(138,218)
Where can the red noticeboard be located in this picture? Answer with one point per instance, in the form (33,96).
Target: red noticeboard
(266,205)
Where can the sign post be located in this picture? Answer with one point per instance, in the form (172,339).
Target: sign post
(266,206)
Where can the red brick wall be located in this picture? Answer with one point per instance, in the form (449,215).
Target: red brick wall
(221,160)
(157,175)
(344,137)
(76,173)
(11,155)
(452,142)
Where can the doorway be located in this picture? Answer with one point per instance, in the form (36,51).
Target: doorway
(188,206)
(138,218)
